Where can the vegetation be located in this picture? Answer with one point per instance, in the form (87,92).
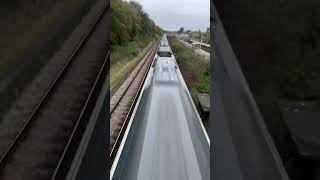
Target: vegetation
(299,75)
(277,43)
(127,52)
(131,31)
(186,55)
(204,36)
(287,43)
(129,22)
(195,71)
(123,61)
(204,83)
(181,30)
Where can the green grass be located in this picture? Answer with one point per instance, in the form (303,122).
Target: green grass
(198,77)
(203,86)
(124,59)
(127,52)
(200,67)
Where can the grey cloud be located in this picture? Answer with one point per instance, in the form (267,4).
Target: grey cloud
(173,14)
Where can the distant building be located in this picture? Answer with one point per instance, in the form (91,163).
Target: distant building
(183,37)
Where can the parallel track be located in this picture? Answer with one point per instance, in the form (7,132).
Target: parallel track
(115,88)
(148,62)
(35,130)
(147,56)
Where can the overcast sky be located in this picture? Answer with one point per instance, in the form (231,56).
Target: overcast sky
(173,14)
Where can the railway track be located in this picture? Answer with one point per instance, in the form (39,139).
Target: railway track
(114,89)
(36,151)
(121,109)
(164,130)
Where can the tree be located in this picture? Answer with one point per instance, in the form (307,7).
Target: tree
(181,30)
(129,21)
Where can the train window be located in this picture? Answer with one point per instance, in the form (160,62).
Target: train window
(164,54)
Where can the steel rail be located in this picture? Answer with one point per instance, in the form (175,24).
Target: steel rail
(147,56)
(47,94)
(137,150)
(73,142)
(114,89)
(123,127)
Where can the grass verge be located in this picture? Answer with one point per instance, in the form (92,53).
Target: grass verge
(195,71)
(125,58)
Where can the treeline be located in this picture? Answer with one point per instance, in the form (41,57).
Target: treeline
(201,36)
(130,22)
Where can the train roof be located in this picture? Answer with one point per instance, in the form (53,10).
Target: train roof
(165,49)
(164,43)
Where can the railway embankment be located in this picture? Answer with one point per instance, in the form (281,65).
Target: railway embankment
(195,71)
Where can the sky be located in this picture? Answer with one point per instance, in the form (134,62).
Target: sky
(173,14)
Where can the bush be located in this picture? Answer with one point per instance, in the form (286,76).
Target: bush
(187,55)
(203,85)
(129,21)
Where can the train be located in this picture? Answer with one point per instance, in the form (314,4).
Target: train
(165,137)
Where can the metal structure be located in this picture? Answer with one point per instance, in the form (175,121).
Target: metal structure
(242,147)
(86,145)
(165,138)
(87,127)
